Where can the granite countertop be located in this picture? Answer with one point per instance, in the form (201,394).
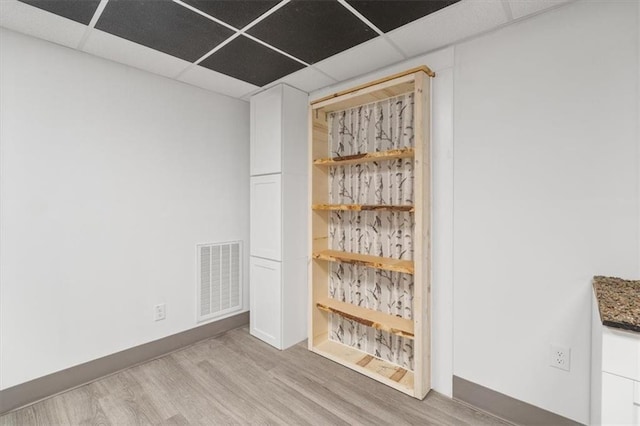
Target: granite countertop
(618,302)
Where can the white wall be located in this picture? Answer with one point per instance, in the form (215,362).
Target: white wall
(110,176)
(545,196)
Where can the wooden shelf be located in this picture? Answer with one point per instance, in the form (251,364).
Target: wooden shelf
(375,319)
(383,371)
(388,264)
(363,207)
(366,157)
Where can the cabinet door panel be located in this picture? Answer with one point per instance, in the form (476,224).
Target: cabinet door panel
(266,217)
(621,353)
(265,303)
(618,405)
(266,132)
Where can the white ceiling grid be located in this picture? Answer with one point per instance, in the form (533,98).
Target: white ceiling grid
(457,22)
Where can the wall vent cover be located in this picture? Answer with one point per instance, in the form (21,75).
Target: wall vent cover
(219,279)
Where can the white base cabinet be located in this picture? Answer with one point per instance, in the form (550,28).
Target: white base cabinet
(266,300)
(271,301)
(278,219)
(615,375)
(620,400)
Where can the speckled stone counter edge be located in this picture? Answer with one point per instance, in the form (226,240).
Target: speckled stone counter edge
(607,322)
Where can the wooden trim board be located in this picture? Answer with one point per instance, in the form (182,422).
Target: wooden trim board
(422,68)
(44,387)
(375,319)
(362,207)
(422,232)
(382,371)
(386,263)
(392,154)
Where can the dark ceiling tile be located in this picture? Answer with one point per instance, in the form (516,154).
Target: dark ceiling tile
(78,10)
(312,30)
(163,25)
(388,15)
(237,13)
(250,61)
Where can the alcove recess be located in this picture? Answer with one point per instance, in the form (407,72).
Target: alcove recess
(370,230)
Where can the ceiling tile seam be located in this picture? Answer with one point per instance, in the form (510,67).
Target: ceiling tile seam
(92,24)
(487,31)
(360,16)
(372,26)
(330,77)
(395,46)
(268,86)
(227,41)
(282,80)
(234,36)
(507,10)
(206,15)
(282,52)
(263,16)
(558,4)
(209,53)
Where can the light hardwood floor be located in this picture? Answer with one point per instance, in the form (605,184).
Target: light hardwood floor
(236,379)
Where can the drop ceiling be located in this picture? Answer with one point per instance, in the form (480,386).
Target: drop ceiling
(236,47)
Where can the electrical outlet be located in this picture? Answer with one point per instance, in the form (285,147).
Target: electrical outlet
(560,357)
(159,312)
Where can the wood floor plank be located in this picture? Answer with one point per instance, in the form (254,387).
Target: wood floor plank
(51,411)
(82,406)
(371,393)
(236,379)
(25,416)
(243,344)
(225,396)
(240,377)
(286,404)
(125,401)
(177,420)
(168,379)
(312,389)
(10,419)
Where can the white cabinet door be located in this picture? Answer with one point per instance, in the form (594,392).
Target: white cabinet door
(265,211)
(266,132)
(621,353)
(620,400)
(266,305)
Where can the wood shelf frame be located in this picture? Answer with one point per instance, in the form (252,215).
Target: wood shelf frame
(415,381)
(366,157)
(363,207)
(376,368)
(368,317)
(376,262)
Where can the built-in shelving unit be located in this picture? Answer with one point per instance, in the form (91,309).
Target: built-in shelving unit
(369,285)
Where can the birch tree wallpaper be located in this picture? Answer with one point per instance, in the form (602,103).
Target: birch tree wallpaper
(380,126)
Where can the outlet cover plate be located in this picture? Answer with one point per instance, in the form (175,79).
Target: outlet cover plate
(560,357)
(159,312)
